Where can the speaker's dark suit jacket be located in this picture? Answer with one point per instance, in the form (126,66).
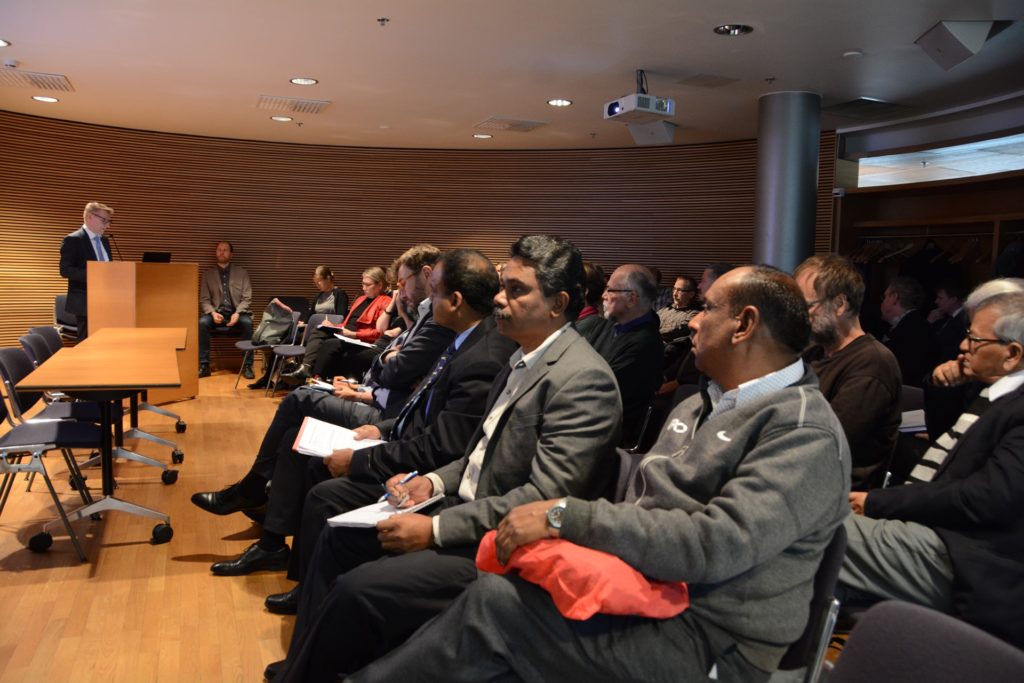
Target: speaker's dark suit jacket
(975,503)
(75,251)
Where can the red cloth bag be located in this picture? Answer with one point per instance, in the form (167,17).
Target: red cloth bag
(584,582)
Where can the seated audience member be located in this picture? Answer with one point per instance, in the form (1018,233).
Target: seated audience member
(675,319)
(329,300)
(948,319)
(664,298)
(858,376)
(389,382)
(909,337)
(225,298)
(359,324)
(433,428)
(552,423)
(591,323)
(745,492)
(637,350)
(953,538)
(709,275)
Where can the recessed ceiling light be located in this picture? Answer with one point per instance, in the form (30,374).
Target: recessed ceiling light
(304,81)
(281,119)
(482,136)
(558,102)
(4,43)
(733,29)
(44,98)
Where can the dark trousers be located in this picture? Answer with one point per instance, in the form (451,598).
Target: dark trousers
(505,629)
(336,357)
(289,470)
(82,324)
(357,603)
(313,343)
(242,329)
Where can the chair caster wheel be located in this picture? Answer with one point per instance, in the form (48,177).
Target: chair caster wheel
(41,542)
(177,457)
(180,426)
(162,533)
(169,476)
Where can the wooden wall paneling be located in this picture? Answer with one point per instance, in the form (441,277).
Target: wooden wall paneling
(287,208)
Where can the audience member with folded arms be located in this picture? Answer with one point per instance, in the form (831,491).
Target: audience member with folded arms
(433,428)
(360,323)
(225,299)
(859,376)
(739,498)
(552,419)
(952,538)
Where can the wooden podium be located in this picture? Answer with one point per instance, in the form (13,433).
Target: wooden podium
(130,294)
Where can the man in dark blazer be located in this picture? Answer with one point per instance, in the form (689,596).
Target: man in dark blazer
(552,420)
(956,542)
(910,337)
(435,425)
(78,248)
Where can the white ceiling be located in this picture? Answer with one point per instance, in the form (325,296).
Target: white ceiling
(440,67)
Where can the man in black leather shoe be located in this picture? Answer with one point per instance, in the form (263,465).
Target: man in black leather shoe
(435,425)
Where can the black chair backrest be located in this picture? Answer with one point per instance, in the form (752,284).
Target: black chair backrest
(14,367)
(36,348)
(51,335)
(60,313)
(799,653)
(296,303)
(905,643)
(911,398)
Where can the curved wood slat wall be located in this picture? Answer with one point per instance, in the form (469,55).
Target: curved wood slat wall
(290,207)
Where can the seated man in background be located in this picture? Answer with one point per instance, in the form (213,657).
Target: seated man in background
(675,319)
(745,492)
(433,428)
(591,323)
(858,376)
(637,351)
(953,538)
(552,420)
(909,337)
(225,298)
(948,319)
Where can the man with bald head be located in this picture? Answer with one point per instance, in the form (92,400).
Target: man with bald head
(739,497)
(637,351)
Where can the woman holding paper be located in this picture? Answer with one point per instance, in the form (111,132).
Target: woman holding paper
(360,324)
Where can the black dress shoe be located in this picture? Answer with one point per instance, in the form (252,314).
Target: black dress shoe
(254,559)
(272,670)
(247,372)
(204,370)
(261,383)
(226,502)
(283,603)
(296,378)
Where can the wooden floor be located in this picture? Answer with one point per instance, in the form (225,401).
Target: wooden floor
(134,611)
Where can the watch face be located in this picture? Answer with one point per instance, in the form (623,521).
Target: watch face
(555,516)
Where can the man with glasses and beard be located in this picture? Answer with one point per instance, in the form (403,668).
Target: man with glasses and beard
(859,376)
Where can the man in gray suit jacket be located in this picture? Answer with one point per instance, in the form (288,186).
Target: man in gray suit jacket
(551,423)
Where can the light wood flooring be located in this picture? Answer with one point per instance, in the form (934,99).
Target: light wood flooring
(137,612)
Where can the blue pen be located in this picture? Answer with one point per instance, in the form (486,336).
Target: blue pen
(405,480)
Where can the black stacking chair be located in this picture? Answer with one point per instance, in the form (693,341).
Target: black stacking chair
(21,452)
(293,350)
(808,652)
(36,348)
(51,335)
(66,324)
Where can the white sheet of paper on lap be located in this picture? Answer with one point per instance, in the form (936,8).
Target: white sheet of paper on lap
(320,439)
(350,340)
(368,515)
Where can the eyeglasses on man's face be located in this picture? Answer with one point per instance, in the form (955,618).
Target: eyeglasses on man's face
(102,219)
(682,291)
(973,342)
(618,291)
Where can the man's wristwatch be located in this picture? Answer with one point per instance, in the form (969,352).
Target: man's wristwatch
(555,513)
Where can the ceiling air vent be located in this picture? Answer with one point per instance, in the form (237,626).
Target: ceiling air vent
(292,105)
(504,123)
(868,109)
(35,80)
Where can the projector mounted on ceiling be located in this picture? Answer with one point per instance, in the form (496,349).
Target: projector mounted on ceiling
(645,115)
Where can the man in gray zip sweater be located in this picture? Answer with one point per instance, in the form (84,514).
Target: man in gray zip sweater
(739,497)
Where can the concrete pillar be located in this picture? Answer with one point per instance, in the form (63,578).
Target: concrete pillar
(787,177)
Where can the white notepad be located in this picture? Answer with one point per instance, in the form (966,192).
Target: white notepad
(320,439)
(368,515)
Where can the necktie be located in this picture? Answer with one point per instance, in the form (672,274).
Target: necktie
(101,254)
(424,387)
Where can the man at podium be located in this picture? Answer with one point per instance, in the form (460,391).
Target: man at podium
(78,248)
(225,297)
